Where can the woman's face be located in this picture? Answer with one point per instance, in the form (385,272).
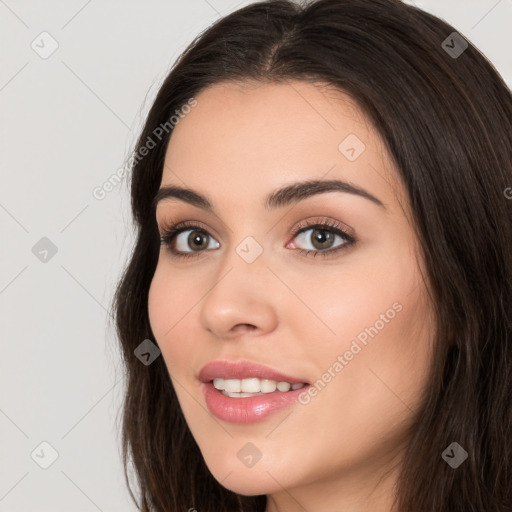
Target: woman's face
(353,324)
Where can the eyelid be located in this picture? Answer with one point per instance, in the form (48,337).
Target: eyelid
(325,222)
(171,225)
(168,223)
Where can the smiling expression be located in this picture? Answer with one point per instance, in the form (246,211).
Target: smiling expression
(248,289)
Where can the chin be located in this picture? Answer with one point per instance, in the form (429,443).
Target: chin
(264,477)
(246,483)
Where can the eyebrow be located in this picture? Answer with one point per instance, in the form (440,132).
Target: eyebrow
(278,198)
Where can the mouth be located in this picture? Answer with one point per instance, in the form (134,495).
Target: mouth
(244,392)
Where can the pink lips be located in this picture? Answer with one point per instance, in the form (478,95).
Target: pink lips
(247,409)
(242,370)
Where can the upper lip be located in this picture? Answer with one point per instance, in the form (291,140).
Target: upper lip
(243,370)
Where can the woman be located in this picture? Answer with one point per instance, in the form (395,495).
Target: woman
(323,261)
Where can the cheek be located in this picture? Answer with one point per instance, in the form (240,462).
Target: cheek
(378,301)
(369,399)
(374,361)
(158,311)
(170,299)
(169,303)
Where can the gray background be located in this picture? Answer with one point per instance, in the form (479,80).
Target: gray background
(68,121)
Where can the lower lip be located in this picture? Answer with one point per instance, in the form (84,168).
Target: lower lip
(248,409)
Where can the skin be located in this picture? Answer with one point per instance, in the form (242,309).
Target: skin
(294,312)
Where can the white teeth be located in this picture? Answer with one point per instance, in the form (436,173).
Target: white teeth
(268,386)
(251,386)
(240,395)
(284,386)
(218,383)
(232,386)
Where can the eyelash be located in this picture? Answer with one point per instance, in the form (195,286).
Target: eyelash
(170,231)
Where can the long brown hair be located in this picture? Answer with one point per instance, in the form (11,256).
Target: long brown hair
(444,113)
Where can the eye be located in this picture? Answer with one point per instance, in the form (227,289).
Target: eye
(179,239)
(188,239)
(322,237)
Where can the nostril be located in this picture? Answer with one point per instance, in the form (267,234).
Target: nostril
(244,327)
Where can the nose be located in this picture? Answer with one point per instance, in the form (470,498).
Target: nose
(241,299)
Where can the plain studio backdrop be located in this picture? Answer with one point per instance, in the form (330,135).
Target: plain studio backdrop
(76,79)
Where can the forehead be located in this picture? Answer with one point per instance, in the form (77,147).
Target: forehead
(254,137)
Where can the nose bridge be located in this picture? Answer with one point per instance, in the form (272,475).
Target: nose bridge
(247,253)
(240,293)
(247,258)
